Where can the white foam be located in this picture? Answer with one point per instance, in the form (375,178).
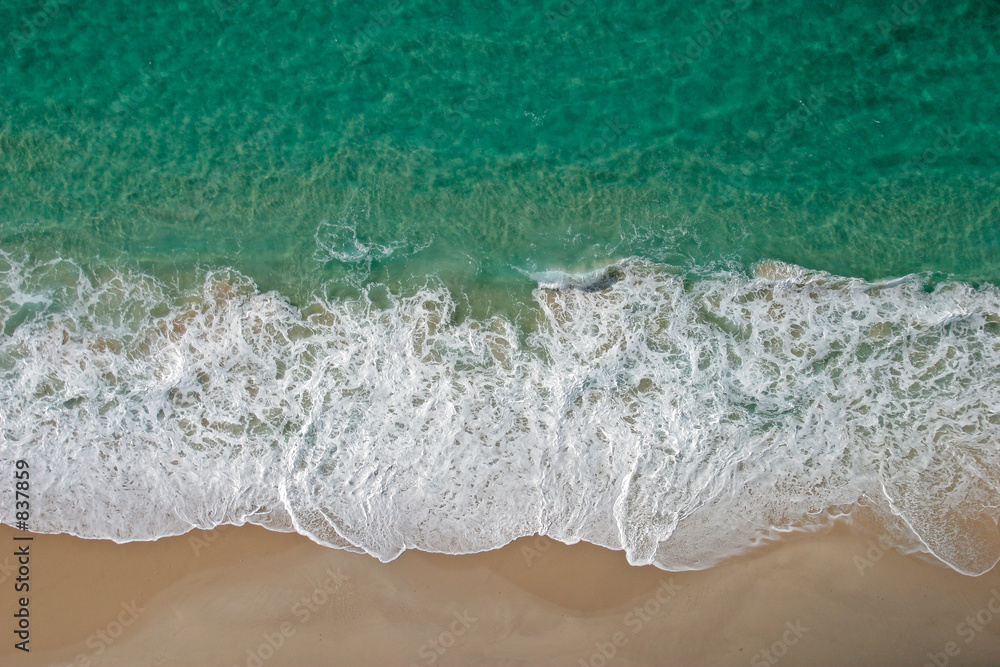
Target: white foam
(681,422)
(588,281)
(338,240)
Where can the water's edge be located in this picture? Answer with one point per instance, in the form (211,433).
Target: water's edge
(679,420)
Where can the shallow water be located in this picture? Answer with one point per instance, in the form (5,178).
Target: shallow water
(340,268)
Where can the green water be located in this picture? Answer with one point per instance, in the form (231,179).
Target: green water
(682,412)
(338,143)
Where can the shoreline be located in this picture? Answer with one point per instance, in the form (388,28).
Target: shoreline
(248,596)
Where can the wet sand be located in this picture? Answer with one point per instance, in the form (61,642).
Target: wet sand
(246,596)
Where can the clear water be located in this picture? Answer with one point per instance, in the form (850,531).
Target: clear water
(338,268)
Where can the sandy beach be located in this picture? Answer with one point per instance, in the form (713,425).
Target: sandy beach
(246,596)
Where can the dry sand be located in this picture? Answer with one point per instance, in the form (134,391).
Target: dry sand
(246,596)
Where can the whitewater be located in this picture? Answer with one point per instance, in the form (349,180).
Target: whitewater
(681,418)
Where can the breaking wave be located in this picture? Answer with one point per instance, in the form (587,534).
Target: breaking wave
(680,420)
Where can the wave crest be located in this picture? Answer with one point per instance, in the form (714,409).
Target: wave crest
(680,421)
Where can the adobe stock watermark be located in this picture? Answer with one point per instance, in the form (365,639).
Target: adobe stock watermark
(138,94)
(610,132)
(207,538)
(103,639)
(947,139)
(539,545)
(563,11)
(901,11)
(455,117)
(967,631)
(432,650)
(39,20)
(635,620)
(779,649)
(945,142)
(797,118)
(874,553)
(303,610)
(7,569)
(129,98)
(224,9)
(711,30)
(379,19)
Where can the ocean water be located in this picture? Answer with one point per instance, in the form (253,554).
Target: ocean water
(671,279)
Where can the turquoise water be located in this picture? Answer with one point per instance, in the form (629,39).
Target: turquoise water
(512,135)
(177,177)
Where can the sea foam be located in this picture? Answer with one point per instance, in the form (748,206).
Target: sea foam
(680,420)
